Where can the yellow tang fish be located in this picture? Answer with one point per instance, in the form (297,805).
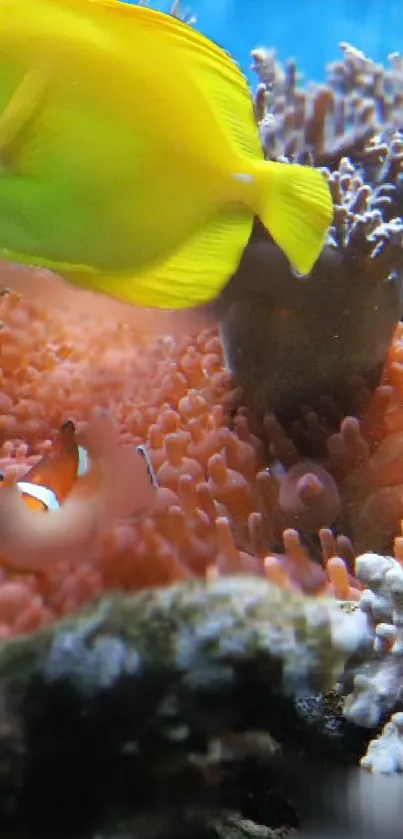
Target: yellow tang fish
(130,161)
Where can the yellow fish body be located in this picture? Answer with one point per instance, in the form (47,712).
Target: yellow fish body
(130,161)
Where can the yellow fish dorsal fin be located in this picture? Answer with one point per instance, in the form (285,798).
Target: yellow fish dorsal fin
(22,107)
(211,96)
(227,100)
(194,275)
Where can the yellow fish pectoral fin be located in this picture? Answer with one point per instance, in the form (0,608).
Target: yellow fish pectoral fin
(23,106)
(194,275)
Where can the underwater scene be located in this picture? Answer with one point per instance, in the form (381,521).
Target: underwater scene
(201,419)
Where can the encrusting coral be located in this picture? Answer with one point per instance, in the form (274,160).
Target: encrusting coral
(286,467)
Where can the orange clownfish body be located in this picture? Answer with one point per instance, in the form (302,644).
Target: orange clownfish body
(47,485)
(84,489)
(51,480)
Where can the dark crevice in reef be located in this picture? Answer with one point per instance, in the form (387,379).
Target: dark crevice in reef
(89,763)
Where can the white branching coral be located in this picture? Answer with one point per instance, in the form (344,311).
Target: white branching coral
(377,686)
(385,754)
(176,10)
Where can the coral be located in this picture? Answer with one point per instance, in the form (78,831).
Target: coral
(377,691)
(202,632)
(176,694)
(331,120)
(176,10)
(373,686)
(385,754)
(300,341)
(312,350)
(291,342)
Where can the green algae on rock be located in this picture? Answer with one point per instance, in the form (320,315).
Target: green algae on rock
(201,633)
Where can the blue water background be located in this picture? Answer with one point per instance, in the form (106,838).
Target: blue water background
(308,30)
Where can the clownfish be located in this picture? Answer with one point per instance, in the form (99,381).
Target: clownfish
(48,483)
(81,494)
(130,160)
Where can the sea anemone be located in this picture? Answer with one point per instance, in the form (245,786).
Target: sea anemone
(277,457)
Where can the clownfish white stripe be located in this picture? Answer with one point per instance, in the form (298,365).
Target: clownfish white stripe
(43,494)
(83,462)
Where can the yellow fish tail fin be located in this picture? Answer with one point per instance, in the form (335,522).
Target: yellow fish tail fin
(295,205)
(192,276)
